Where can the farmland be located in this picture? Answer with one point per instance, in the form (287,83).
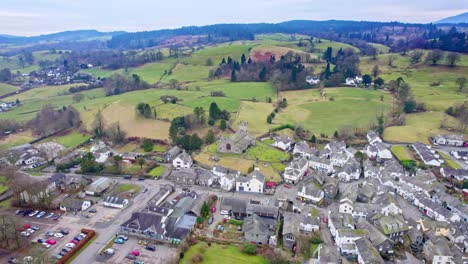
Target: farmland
(69,139)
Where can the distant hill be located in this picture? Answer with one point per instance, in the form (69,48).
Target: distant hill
(76,35)
(461,18)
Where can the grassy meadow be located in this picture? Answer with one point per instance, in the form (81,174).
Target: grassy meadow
(214,253)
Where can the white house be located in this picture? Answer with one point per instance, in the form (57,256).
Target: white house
(449,140)
(373,137)
(321,164)
(29,160)
(371,171)
(346,206)
(284,142)
(350,171)
(310,193)
(115,202)
(309,224)
(183,160)
(339,159)
(301,148)
(313,80)
(350,82)
(345,239)
(378,150)
(253,182)
(427,155)
(294,172)
(228,182)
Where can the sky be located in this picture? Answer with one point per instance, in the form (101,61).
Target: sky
(34,17)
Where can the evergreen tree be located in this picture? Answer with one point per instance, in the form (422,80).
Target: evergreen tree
(215,112)
(222,125)
(233,75)
(249,61)
(243,59)
(313,139)
(335,135)
(210,138)
(262,74)
(328,54)
(327,73)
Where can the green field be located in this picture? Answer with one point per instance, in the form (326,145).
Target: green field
(351,107)
(3,184)
(215,253)
(449,161)
(157,172)
(401,153)
(218,52)
(122,188)
(16,139)
(419,127)
(266,153)
(70,139)
(6,88)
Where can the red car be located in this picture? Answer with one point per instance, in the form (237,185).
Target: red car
(287,186)
(325,219)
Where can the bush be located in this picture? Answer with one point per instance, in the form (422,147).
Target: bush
(211,122)
(147,145)
(197,258)
(181,255)
(235,222)
(249,248)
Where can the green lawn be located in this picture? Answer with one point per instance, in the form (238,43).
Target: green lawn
(217,253)
(266,153)
(401,153)
(157,172)
(71,139)
(449,161)
(126,188)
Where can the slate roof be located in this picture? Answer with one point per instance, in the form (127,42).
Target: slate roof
(185,157)
(114,200)
(237,205)
(376,237)
(368,253)
(57,177)
(254,174)
(285,139)
(72,203)
(302,146)
(262,209)
(255,224)
(290,224)
(424,152)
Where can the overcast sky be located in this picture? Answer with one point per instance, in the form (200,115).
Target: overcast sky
(33,17)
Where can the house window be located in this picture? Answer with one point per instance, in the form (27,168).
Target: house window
(228,146)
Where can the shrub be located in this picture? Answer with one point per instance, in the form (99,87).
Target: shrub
(197,258)
(181,255)
(235,222)
(211,122)
(249,248)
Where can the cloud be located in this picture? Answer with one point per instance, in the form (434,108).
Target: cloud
(26,17)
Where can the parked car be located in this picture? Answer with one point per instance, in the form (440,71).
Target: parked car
(83,235)
(109,251)
(123,237)
(64,231)
(287,186)
(141,178)
(237,217)
(78,238)
(49,233)
(65,249)
(127,177)
(19,212)
(58,235)
(30,230)
(13,260)
(224,212)
(145,190)
(33,213)
(41,214)
(51,241)
(93,211)
(210,221)
(49,215)
(143,242)
(27,212)
(57,217)
(138,262)
(58,256)
(25,233)
(46,245)
(325,219)
(70,245)
(150,247)
(35,228)
(119,241)
(130,256)
(40,240)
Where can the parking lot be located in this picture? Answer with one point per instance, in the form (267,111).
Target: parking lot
(162,253)
(46,225)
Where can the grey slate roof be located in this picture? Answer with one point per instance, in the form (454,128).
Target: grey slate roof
(255,224)
(368,252)
(254,174)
